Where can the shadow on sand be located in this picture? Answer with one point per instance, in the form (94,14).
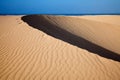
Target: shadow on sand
(42,24)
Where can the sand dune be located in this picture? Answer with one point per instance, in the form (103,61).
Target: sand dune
(27,53)
(101,30)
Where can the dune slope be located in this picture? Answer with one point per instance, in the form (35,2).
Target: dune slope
(101,30)
(30,54)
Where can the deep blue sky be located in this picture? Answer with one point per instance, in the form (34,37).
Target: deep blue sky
(60,7)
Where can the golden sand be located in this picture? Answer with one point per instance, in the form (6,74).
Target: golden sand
(101,30)
(30,54)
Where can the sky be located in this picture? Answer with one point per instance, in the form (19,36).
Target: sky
(83,7)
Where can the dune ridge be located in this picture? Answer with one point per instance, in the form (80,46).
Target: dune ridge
(41,23)
(30,54)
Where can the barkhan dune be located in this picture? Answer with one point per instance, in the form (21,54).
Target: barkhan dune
(27,53)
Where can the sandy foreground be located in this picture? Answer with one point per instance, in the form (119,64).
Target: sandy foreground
(27,53)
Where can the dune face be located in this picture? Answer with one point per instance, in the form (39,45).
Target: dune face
(101,30)
(41,23)
(27,53)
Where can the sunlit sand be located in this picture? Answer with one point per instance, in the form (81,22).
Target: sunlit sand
(27,53)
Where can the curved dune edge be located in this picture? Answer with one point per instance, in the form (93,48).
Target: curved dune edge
(101,30)
(29,54)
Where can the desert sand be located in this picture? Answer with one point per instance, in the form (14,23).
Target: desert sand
(28,53)
(101,30)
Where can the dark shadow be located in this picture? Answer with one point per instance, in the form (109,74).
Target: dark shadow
(42,24)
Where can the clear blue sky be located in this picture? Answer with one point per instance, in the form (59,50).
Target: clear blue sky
(60,7)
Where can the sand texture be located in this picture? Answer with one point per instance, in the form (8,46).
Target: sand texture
(27,53)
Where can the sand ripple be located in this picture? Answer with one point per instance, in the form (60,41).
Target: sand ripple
(30,54)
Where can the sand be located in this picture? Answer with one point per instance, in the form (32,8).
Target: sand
(27,53)
(101,30)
